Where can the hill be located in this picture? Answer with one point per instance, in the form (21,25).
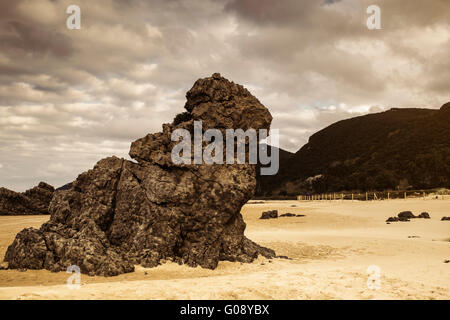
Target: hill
(395,149)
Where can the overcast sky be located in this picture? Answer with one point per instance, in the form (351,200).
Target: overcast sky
(71,97)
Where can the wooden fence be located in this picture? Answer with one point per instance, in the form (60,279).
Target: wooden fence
(366,196)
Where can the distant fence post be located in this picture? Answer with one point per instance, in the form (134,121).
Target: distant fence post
(388,195)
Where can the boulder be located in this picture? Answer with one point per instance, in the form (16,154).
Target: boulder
(124,213)
(424,215)
(406,215)
(445,219)
(392,219)
(271,214)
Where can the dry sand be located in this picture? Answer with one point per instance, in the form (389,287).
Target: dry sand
(331,249)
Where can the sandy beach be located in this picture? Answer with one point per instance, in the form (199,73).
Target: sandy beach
(330,250)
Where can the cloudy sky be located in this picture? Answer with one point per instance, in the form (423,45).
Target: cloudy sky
(71,97)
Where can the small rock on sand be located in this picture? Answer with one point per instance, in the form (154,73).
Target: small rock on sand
(288,214)
(406,214)
(271,214)
(424,215)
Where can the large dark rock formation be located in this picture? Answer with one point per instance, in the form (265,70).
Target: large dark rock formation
(123,213)
(32,201)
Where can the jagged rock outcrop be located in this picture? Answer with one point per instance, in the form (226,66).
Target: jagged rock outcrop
(32,201)
(122,213)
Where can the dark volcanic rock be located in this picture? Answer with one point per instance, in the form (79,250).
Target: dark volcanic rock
(32,201)
(406,215)
(392,219)
(424,215)
(288,214)
(122,213)
(402,218)
(271,214)
(445,219)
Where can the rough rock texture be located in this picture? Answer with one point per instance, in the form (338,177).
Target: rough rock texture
(406,215)
(32,201)
(123,213)
(271,214)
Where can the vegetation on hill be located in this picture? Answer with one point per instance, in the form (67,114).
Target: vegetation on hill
(396,149)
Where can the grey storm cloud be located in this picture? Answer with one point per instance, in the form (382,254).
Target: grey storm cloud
(70,97)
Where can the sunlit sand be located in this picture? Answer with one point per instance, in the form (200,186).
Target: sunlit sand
(330,250)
